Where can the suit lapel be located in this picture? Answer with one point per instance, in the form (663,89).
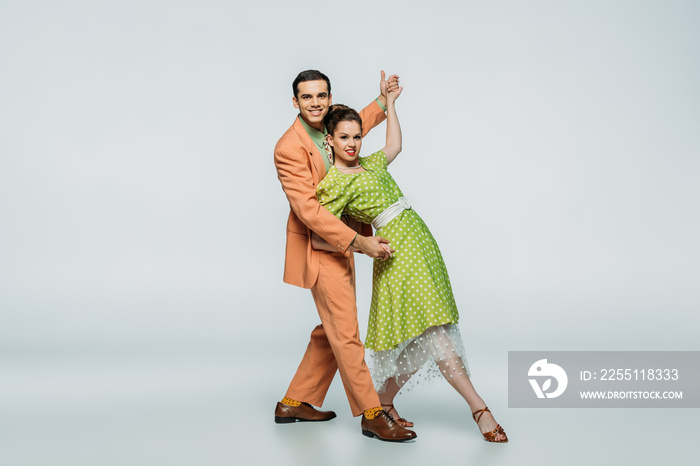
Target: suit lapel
(316,160)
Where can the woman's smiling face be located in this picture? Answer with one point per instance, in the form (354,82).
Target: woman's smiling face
(346,141)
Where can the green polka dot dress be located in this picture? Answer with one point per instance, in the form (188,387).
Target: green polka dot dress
(412,334)
(411,292)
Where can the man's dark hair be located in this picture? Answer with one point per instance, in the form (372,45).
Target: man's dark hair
(309,75)
(338,113)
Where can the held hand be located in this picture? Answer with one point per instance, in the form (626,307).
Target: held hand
(388,86)
(388,249)
(373,246)
(393,95)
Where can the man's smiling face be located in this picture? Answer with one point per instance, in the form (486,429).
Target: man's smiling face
(313,101)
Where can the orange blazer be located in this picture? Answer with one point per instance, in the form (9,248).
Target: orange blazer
(300,168)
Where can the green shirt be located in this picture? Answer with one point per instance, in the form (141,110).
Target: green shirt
(318,137)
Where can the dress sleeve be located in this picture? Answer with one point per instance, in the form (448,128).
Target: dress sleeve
(378,159)
(331,196)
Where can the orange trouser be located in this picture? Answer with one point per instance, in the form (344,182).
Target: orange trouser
(335,344)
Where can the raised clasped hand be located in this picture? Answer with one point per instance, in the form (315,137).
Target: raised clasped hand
(393,95)
(388,85)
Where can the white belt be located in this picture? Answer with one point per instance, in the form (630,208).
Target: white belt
(391,213)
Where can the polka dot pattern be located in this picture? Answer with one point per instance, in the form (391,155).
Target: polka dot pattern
(435,354)
(411,292)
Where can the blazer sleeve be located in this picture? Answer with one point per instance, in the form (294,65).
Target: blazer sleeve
(298,185)
(371,116)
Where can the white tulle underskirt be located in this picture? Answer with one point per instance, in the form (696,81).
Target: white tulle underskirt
(436,353)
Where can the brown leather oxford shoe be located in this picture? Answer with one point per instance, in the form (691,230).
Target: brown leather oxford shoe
(303,413)
(385,428)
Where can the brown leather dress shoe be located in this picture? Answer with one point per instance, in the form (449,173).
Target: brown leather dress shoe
(303,413)
(385,428)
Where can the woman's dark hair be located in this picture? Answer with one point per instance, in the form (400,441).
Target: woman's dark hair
(309,75)
(337,113)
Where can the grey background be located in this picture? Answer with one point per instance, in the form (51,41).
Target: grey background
(551,147)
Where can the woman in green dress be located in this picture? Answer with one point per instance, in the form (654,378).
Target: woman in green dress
(412,333)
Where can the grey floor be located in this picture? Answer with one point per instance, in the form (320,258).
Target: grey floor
(212,405)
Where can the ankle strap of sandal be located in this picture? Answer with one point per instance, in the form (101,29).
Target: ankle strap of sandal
(480,412)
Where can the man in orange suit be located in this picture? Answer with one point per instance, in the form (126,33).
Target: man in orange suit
(302,161)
